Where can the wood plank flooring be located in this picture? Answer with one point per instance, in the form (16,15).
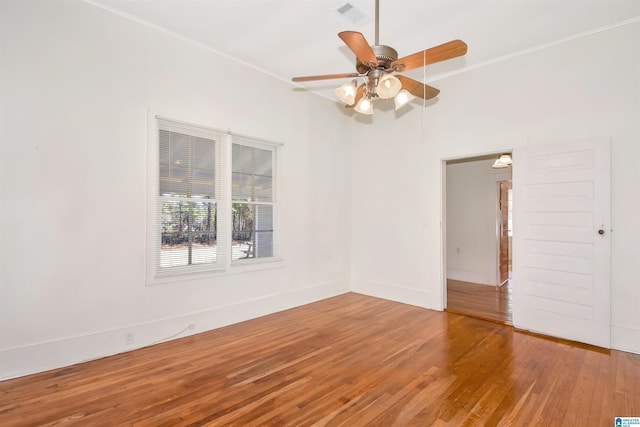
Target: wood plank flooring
(351,360)
(481,301)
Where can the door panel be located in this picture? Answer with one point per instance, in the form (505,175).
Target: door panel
(504,231)
(561,264)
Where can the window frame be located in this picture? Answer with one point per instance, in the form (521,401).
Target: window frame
(223,203)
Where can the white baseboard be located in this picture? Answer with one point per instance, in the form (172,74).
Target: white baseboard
(469,276)
(393,292)
(26,360)
(625,339)
(30,359)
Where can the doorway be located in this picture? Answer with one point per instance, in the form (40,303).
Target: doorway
(478,234)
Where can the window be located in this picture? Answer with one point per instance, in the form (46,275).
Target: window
(252,195)
(215,200)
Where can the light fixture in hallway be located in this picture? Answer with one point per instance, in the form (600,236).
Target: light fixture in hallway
(504,161)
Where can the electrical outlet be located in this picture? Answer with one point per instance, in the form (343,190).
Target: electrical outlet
(128,338)
(192,326)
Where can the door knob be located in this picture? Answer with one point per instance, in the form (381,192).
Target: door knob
(601,232)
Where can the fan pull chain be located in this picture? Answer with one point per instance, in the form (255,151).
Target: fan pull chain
(424,100)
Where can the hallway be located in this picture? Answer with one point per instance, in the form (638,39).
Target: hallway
(481,301)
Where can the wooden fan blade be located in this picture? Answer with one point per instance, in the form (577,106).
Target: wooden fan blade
(324,77)
(443,52)
(359,94)
(418,89)
(359,45)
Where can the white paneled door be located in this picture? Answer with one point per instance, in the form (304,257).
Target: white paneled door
(561,246)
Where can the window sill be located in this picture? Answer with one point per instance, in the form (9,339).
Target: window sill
(241,265)
(237,267)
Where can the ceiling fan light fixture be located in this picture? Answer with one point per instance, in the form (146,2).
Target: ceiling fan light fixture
(364,106)
(403,98)
(504,161)
(389,86)
(375,64)
(347,92)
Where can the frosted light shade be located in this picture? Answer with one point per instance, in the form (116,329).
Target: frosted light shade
(347,92)
(499,165)
(403,98)
(503,161)
(388,87)
(506,159)
(365,106)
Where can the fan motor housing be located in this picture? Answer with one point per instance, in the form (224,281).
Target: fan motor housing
(385,56)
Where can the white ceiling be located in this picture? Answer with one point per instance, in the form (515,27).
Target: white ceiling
(287,38)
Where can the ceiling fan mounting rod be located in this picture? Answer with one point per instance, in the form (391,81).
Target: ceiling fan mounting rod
(384,54)
(377,22)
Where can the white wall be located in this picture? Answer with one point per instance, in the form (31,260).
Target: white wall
(392,233)
(471,220)
(582,88)
(76,87)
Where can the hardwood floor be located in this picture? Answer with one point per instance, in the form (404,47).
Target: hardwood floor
(351,360)
(481,301)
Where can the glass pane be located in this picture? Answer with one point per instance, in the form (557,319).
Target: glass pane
(264,217)
(180,146)
(203,166)
(252,188)
(264,244)
(242,234)
(176,182)
(252,174)
(186,165)
(252,231)
(164,150)
(264,231)
(203,153)
(241,186)
(263,164)
(203,183)
(188,233)
(262,188)
(241,159)
(165,179)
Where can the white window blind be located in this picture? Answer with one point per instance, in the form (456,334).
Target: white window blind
(187,203)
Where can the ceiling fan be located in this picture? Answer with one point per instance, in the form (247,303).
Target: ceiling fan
(375,65)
